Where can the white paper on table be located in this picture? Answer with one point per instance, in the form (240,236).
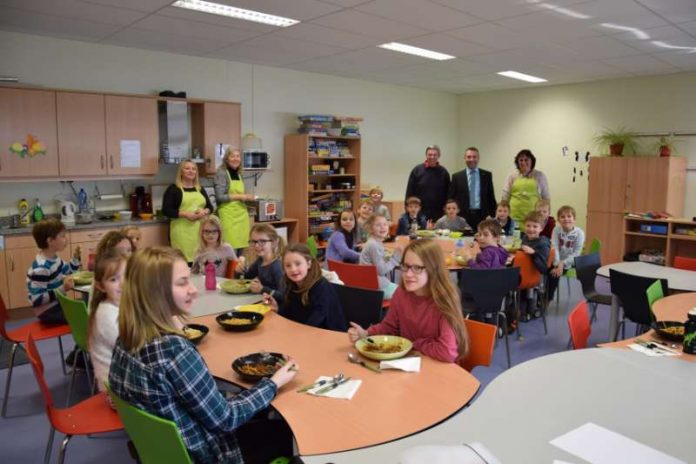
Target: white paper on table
(345,391)
(649,352)
(410,364)
(130,153)
(473,453)
(599,445)
(558,461)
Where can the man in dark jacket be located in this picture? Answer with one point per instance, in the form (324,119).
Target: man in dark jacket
(430,182)
(473,189)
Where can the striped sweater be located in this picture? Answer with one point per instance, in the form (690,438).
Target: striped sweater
(44,277)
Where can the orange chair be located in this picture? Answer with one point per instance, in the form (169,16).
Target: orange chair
(530,278)
(579,325)
(682,262)
(18,335)
(93,415)
(357,275)
(481,344)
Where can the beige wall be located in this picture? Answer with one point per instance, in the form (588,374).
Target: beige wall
(545,119)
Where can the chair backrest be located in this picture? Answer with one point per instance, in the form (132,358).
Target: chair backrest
(3,319)
(76,314)
(579,325)
(38,368)
(157,440)
(312,245)
(488,287)
(682,262)
(632,293)
(481,344)
(586,268)
(595,246)
(654,293)
(360,305)
(530,276)
(356,275)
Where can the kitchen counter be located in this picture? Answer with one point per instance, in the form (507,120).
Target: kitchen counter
(99,224)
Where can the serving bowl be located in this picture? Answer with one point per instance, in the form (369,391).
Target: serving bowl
(83,277)
(383,347)
(146,216)
(671,330)
(196,337)
(256,366)
(239,321)
(236,286)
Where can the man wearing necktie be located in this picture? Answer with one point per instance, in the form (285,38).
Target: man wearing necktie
(472,188)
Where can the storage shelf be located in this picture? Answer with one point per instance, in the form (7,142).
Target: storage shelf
(332,175)
(331,157)
(336,137)
(683,237)
(646,234)
(332,191)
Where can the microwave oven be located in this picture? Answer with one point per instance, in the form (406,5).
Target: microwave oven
(256,160)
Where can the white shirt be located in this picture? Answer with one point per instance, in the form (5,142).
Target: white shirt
(102,340)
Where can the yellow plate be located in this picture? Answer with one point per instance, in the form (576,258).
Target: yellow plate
(236,286)
(83,277)
(384,342)
(254,308)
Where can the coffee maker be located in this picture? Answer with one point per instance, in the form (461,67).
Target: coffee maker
(140,201)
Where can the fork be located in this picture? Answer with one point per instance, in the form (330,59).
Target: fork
(335,379)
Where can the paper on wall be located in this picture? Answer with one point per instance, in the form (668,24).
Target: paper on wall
(130,153)
(220,149)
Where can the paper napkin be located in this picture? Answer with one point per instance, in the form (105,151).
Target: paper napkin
(345,391)
(651,352)
(410,364)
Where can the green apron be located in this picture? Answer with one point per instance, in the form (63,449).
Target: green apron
(235,217)
(523,197)
(183,232)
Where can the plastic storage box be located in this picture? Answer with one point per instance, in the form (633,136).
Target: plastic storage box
(654,228)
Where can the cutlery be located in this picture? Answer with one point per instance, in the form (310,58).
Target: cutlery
(354,359)
(660,342)
(336,378)
(665,346)
(332,386)
(653,346)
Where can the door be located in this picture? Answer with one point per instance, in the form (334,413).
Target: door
(81,134)
(607,187)
(221,124)
(647,184)
(28,145)
(132,135)
(608,228)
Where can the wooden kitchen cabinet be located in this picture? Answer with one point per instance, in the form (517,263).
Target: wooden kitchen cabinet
(81,134)
(132,118)
(214,123)
(3,279)
(23,113)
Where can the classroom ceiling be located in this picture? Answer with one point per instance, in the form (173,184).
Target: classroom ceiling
(563,41)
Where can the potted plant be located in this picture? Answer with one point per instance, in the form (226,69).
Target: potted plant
(617,140)
(666,145)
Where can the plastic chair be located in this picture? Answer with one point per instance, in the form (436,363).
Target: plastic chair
(595,247)
(682,262)
(88,417)
(654,293)
(489,289)
(156,440)
(586,267)
(313,247)
(481,344)
(18,335)
(360,305)
(579,326)
(530,279)
(631,291)
(75,312)
(357,275)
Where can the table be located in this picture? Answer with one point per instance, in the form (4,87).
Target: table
(217,301)
(534,402)
(388,406)
(677,279)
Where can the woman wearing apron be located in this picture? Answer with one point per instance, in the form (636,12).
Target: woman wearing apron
(525,186)
(186,203)
(230,196)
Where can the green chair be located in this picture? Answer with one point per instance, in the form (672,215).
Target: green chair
(312,245)
(157,440)
(654,293)
(75,312)
(571,273)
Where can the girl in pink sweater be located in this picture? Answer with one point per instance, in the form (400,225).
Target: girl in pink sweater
(426,307)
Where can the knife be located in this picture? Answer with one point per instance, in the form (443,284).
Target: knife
(314,385)
(332,386)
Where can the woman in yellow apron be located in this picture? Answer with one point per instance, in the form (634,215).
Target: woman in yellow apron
(230,196)
(186,203)
(525,186)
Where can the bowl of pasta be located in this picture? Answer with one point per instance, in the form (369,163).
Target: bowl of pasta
(236,286)
(383,347)
(255,366)
(239,321)
(671,330)
(195,332)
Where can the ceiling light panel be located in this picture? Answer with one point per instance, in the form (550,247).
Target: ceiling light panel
(417,51)
(234,12)
(522,77)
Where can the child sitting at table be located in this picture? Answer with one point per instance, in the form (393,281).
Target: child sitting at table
(157,369)
(538,247)
(426,308)
(211,248)
(488,252)
(567,240)
(343,240)
(502,215)
(364,212)
(133,234)
(373,253)
(548,223)
(412,220)
(266,270)
(115,239)
(376,195)
(309,298)
(451,220)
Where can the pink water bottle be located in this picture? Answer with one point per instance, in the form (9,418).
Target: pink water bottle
(210,280)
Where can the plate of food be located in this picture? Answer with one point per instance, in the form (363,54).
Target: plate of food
(195,332)
(239,321)
(425,233)
(254,308)
(383,347)
(671,330)
(255,366)
(83,277)
(236,286)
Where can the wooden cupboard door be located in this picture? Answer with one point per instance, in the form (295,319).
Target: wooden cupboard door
(647,184)
(81,134)
(18,263)
(221,124)
(608,228)
(3,279)
(154,235)
(131,118)
(28,114)
(607,187)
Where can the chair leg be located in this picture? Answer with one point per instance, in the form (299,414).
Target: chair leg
(9,378)
(593,316)
(619,327)
(90,384)
(505,333)
(63,446)
(49,445)
(72,378)
(62,355)
(518,314)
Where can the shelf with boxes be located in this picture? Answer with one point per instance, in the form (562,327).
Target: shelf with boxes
(658,240)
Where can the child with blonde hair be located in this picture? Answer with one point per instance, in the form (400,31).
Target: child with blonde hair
(365,210)
(212,249)
(266,270)
(134,234)
(376,196)
(543,207)
(373,253)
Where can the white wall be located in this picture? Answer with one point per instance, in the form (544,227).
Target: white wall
(544,119)
(399,121)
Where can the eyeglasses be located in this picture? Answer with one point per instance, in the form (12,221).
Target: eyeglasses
(259,242)
(211,232)
(408,267)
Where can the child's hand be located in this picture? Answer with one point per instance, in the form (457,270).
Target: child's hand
(241,266)
(77,254)
(178,323)
(286,373)
(68,283)
(355,332)
(270,301)
(527,249)
(557,271)
(256,286)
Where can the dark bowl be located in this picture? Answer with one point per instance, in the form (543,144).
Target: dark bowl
(255,319)
(662,326)
(203,328)
(268,363)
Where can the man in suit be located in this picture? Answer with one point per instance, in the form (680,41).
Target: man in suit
(473,189)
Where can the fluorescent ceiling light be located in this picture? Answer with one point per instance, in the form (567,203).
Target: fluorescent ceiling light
(522,77)
(234,12)
(662,44)
(564,11)
(642,35)
(422,52)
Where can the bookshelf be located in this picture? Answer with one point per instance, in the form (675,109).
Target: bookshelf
(672,237)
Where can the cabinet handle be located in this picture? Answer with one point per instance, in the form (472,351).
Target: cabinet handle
(101,159)
(112,161)
(11,263)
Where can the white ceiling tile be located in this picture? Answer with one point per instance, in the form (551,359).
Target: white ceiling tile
(373,26)
(683,61)
(345,3)
(168,24)
(550,26)
(494,36)
(671,35)
(640,64)
(327,35)
(31,22)
(676,11)
(420,13)
(75,9)
(148,6)
(301,10)
(447,69)
(157,40)
(447,44)
(623,12)
(217,20)
(600,47)
(689,27)
(490,10)
(277,50)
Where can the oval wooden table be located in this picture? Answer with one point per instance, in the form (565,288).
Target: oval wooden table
(388,406)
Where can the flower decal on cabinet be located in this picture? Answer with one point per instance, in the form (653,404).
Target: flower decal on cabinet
(31,147)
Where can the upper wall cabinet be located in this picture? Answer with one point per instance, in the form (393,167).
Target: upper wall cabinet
(81,134)
(215,123)
(132,135)
(28,145)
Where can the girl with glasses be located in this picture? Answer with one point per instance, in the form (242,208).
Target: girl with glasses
(266,270)
(211,248)
(426,307)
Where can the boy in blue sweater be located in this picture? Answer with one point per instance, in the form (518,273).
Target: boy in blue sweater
(412,220)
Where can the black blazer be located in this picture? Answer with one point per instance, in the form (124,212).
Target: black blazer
(459,190)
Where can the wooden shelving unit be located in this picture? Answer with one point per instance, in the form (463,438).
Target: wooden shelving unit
(674,242)
(298,193)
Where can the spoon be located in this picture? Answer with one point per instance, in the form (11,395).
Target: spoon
(354,359)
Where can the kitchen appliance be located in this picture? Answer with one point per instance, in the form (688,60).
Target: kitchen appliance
(173,131)
(266,209)
(67,212)
(255,159)
(140,201)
